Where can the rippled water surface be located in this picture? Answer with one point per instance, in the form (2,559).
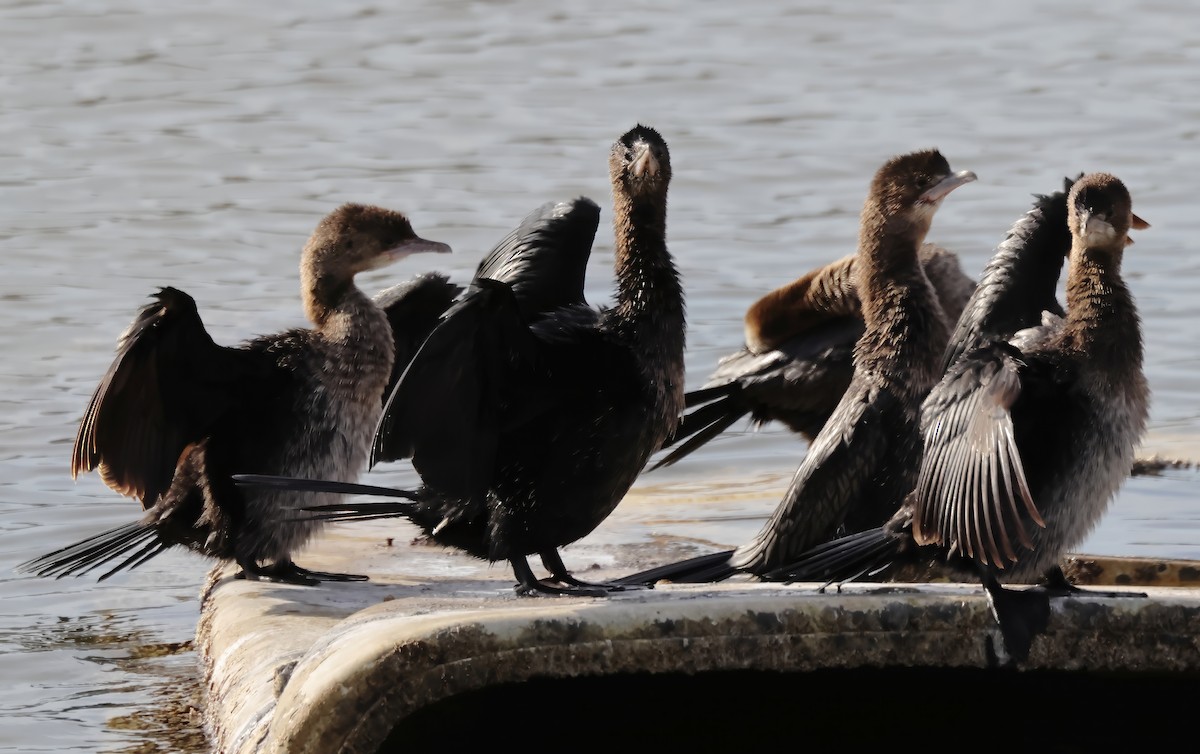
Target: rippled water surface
(147,143)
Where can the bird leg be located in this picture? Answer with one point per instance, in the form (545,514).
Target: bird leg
(558,572)
(529,586)
(287,572)
(1021,614)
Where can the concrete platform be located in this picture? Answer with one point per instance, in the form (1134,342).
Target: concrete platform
(383,665)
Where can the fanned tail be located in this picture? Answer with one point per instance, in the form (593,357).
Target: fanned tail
(136,543)
(700,570)
(845,559)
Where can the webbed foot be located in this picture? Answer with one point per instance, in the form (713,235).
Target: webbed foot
(287,572)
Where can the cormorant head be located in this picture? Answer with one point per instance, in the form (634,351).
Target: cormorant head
(1100,211)
(640,161)
(357,237)
(908,189)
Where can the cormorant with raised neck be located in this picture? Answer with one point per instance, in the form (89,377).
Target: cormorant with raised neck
(527,433)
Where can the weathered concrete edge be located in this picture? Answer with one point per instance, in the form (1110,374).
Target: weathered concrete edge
(247,649)
(372,670)
(338,665)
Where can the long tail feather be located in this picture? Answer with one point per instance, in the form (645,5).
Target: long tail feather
(319,485)
(105,540)
(699,570)
(136,542)
(337,511)
(90,558)
(359,511)
(842,560)
(149,550)
(704,395)
(729,406)
(699,434)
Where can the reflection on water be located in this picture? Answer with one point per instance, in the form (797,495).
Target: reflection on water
(115,644)
(147,143)
(173,723)
(104,671)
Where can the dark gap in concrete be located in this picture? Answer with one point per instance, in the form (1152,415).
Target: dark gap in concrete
(952,710)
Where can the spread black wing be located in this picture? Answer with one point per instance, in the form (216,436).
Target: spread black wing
(541,265)
(413,309)
(168,384)
(545,258)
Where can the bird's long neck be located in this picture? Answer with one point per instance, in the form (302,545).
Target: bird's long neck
(1102,322)
(649,312)
(904,321)
(347,319)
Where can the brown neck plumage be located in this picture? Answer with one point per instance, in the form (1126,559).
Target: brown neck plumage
(324,287)
(1102,320)
(646,275)
(906,331)
(888,264)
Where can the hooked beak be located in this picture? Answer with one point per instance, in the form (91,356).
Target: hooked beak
(415,245)
(643,161)
(942,188)
(1096,229)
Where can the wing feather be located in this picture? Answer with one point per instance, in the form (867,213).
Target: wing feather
(972,494)
(168,383)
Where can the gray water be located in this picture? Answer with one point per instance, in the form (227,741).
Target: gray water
(146,143)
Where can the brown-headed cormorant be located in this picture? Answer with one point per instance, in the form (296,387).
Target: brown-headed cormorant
(176,414)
